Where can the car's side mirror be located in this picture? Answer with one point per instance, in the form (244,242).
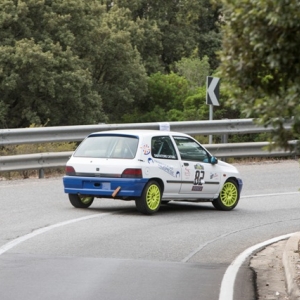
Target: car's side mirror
(213,160)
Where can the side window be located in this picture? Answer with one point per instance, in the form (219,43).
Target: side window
(190,150)
(162,147)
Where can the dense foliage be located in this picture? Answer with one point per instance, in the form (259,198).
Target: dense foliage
(65,62)
(260,61)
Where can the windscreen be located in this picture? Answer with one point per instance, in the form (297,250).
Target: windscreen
(108,146)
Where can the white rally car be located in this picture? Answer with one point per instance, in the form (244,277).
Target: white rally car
(150,167)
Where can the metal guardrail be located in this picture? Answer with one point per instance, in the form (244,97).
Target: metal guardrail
(38,161)
(77,133)
(242,150)
(41,161)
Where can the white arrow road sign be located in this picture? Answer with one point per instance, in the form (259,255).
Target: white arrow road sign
(212,90)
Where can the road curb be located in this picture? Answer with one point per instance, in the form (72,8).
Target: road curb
(290,258)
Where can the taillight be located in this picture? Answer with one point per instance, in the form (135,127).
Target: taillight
(70,171)
(132,173)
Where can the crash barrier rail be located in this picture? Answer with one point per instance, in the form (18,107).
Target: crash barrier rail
(224,150)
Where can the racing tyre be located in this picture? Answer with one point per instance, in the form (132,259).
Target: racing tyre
(228,197)
(150,200)
(81,201)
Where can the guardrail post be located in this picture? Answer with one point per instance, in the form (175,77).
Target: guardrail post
(224,138)
(41,173)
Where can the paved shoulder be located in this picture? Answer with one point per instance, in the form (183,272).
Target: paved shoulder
(277,269)
(291,262)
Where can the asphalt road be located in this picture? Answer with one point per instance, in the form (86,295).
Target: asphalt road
(50,250)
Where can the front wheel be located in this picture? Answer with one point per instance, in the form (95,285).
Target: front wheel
(150,200)
(228,197)
(81,201)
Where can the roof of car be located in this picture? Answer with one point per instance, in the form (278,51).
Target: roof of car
(139,132)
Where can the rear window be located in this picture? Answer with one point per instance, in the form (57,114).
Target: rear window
(108,146)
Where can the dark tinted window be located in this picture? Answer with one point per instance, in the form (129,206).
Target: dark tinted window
(162,147)
(190,150)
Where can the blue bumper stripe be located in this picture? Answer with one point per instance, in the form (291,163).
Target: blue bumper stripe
(98,186)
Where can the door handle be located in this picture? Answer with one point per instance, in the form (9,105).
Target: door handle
(185,164)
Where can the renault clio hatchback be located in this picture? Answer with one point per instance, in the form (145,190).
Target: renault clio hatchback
(149,167)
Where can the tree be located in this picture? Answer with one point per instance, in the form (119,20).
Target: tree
(209,36)
(260,62)
(166,93)
(69,61)
(195,107)
(116,65)
(194,70)
(178,28)
(38,85)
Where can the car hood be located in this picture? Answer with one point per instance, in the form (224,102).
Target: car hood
(228,167)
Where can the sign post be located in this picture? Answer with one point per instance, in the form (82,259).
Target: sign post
(212,96)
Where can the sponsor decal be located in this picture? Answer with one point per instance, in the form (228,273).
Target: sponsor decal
(197,188)
(214,175)
(164,156)
(146,149)
(168,169)
(187,172)
(198,167)
(150,160)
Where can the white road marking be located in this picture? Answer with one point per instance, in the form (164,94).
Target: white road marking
(268,195)
(36,232)
(227,285)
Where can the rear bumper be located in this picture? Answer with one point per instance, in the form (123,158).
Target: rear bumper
(104,187)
